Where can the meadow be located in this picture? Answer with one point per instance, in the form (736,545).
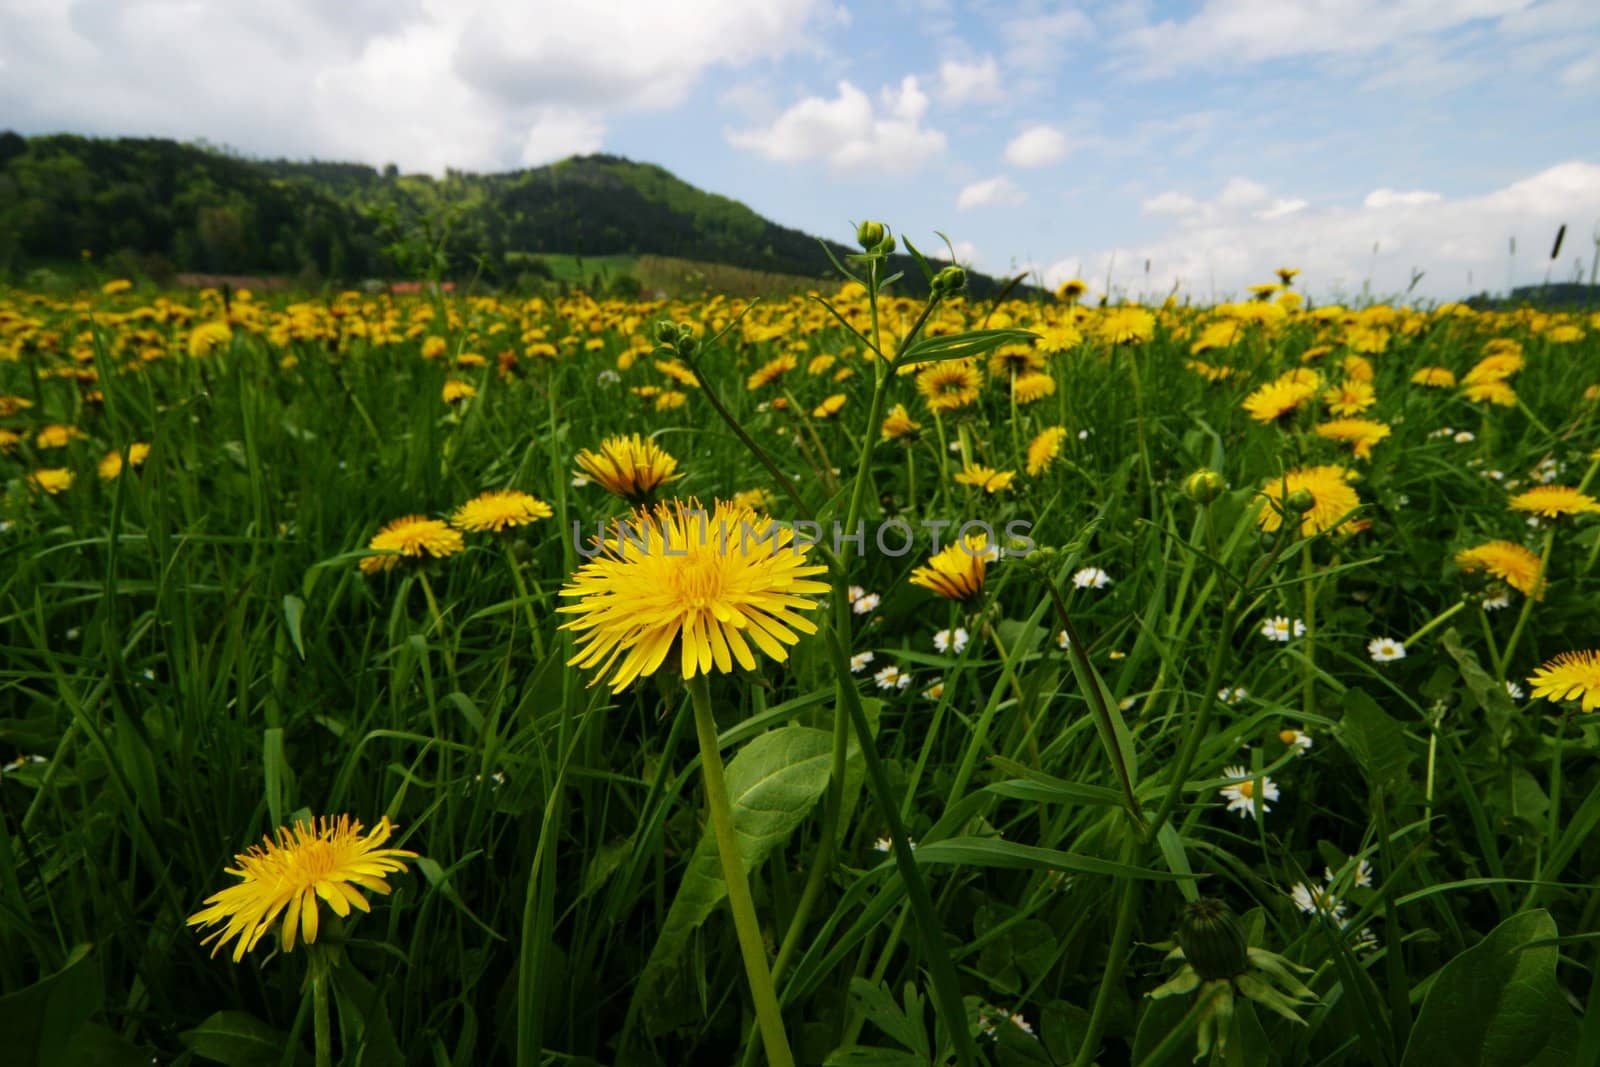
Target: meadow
(1188,682)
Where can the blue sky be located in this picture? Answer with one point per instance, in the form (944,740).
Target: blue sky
(1216,139)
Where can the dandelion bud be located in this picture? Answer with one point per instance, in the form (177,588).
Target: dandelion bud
(688,344)
(667,333)
(1300,501)
(870,235)
(1204,485)
(949,281)
(1212,940)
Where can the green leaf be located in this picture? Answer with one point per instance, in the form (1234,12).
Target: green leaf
(773,783)
(40,1021)
(238,1039)
(294,609)
(993,852)
(960,345)
(1498,1004)
(1374,740)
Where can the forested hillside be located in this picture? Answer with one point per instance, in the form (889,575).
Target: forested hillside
(160,207)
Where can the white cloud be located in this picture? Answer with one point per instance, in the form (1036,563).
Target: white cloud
(1170,203)
(1282,207)
(1037,146)
(1382,198)
(1241,192)
(1218,250)
(1230,32)
(1000,190)
(424,83)
(1585,71)
(960,82)
(849,132)
(967,254)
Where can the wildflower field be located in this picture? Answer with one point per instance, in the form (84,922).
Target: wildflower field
(844,679)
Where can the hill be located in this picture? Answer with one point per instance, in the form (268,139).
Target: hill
(165,206)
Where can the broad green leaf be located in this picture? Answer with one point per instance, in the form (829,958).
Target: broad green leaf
(960,345)
(238,1039)
(1498,1004)
(773,783)
(1375,740)
(40,1021)
(294,610)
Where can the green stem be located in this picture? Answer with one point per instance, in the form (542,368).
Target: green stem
(438,624)
(768,1016)
(322,1022)
(1434,623)
(522,595)
(1115,962)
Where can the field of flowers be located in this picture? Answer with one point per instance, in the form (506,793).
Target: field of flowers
(846,679)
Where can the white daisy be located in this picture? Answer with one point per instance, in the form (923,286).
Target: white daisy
(892,677)
(855,593)
(1241,793)
(1463,437)
(1298,740)
(865,604)
(1385,650)
(1090,578)
(859,661)
(1363,874)
(951,640)
(1513,690)
(1232,694)
(1282,628)
(934,691)
(1063,642)
(1497,600)
(1315,900)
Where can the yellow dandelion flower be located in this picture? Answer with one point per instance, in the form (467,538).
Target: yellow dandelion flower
(631,467)
(829,407)
(771,371)
(1434,377)
(678,372)
(1554,502)
(51,480)
(986,478)
(707,586)
(115,286)
(413,537)
(1491,392)
(820,364)
(56,435)
(1564,334)
(949,386)
(1009,361)
(1496,366)
(753,500)
(1332,498)
(9,439)
(1044,448)
(899,423)
(957,571)
(1278,399)
(671,400)
(328,858)
(1357,368)
(1570,676)
(1126,325)
(1211,372)
(1071,290)
(455,391)
(208,337)
(1031,387)
(433,347)
(498,510)
(1511,563)
(111,463)
(1359,434)
(1287,274)
(1350,397)
(1061,337)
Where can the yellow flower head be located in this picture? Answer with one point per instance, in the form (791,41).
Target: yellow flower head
(957,571)
(1044,448)
(1511,563)
(986,478)
(455,390)
(829,407)
(1359,434)
(771,371)
(51,480)
(1332,498)
(1009,361)
(1554,502)
(899,423)
(1350,397)
(1071,290)
(56,435)
(949,386)
(1126,325)
(630,467)
(208,337)
(1491,392)
(1434,377)
(1570,676)
(111,463)
(414,537)
(498,510)
(1030,387)
(329,859)
(1278,399)
(708,586)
